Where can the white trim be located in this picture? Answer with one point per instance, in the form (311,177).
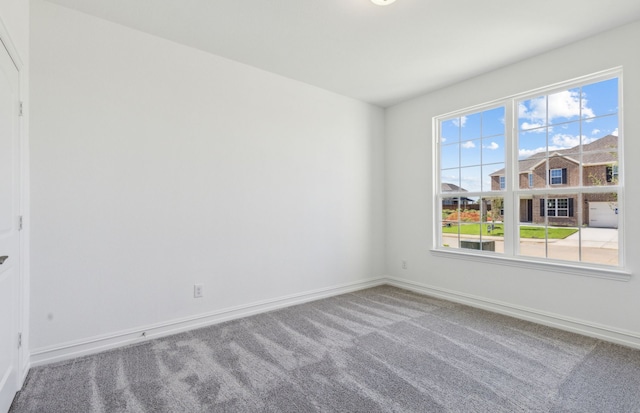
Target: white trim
(25,232)
(22,374)
(549,89)
(119,339)
(614,335)
(7,42)
(512,193)
(106,342)
(566,267)
(556,209)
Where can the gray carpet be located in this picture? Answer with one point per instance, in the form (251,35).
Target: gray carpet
(378,350)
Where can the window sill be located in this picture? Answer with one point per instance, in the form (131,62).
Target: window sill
(617,274)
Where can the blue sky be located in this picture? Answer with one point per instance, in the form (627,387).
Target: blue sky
(565,119)
(472,147)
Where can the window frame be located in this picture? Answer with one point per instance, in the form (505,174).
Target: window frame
(557,209)
(552,177)
(512,192)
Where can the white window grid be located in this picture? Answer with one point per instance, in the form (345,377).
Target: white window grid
(558,207)
(511,193)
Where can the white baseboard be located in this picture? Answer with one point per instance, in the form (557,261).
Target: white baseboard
(106,342)
(23,374)
(101,343)
(606,333)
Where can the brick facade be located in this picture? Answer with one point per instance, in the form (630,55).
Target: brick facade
(598,157)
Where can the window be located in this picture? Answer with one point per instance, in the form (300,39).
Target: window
(472,167)
(558,207)
(569,134)
(612,173)
(556,176)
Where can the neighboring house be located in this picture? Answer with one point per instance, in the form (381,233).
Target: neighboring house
(452,203)
(600,167)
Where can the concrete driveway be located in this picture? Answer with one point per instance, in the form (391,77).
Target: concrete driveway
(593,237)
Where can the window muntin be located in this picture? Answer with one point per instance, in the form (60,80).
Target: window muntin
(472,164)
(568,135)
(558,207)
(612,173)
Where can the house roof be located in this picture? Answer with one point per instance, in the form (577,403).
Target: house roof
(600,151)
(446,187)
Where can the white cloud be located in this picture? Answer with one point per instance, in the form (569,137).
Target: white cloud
(527,125)
(595,131)
(522,110)
(565,104)
(525,153)
(460,122)
(471,184)
(564,141)
(468,145)
(493,146)
(443,139)
(615,132)
(451,178)
(558,142)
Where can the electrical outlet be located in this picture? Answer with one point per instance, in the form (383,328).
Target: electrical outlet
(404,265)
(197,291)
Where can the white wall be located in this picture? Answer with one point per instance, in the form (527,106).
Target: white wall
(15,16)
(611,306)
(156,166)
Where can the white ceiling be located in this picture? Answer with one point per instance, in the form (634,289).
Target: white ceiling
(380,55)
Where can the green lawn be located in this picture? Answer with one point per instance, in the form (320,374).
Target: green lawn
(498,231)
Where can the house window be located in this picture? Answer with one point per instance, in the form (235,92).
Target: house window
(558,207)
(612,173)
(555,176)
(567,133)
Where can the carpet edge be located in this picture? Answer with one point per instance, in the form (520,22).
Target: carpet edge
(97,344)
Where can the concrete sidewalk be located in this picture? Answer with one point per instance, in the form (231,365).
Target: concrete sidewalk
(599,246)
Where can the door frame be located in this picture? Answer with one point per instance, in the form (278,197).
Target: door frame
(23,201)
